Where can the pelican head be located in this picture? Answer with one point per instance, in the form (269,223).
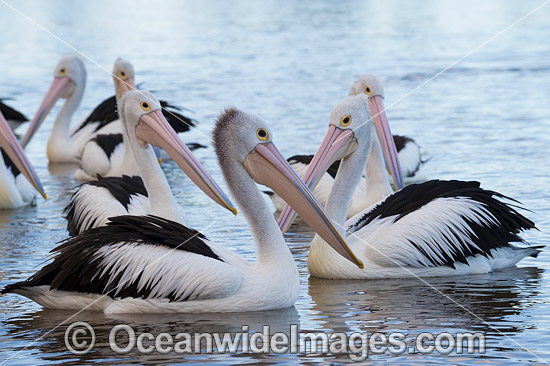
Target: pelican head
(372,87)
(367,84)
(350,129)
(13,149)
(245,140)
(143,121)
(123,76)
(69,77)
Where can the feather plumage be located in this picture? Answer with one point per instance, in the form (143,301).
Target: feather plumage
(110,261)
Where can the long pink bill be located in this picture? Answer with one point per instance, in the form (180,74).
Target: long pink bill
(155,130)
(123,85)
(378,114)
(267,166)
(336,143)
(58,86)
(13,149)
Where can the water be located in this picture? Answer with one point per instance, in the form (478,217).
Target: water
(485,118)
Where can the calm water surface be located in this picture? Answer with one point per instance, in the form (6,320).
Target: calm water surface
(485,118)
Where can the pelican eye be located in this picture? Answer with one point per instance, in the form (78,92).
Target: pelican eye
(145,106)
(345,121)
(368,91)
(262,134)
(62,71)
(122,74)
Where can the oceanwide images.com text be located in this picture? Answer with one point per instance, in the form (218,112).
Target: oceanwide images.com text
(80,338)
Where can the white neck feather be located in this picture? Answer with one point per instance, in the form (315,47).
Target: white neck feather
(378,186)
(129,162)
(271,248)
(60,145)
(346,181)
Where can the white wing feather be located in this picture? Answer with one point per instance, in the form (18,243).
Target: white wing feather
(438,228)
(168,272)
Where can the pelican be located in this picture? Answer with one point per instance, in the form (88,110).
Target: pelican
(149,192)
(12,116)
(69,83)
(66,144)
(149,264)
(435,228)
(379,188)
(18,180)
(105,154)
(411,158)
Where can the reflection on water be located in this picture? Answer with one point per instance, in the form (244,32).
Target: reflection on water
(463,303)
(44,320)
(484,119)
(411,306)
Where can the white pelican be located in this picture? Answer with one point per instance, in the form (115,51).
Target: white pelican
(380,187)
(436,228)
(14,117)
(149,264)
(66,144)
(18,180)
(148,193)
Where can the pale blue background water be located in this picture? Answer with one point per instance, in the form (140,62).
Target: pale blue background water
(485,119)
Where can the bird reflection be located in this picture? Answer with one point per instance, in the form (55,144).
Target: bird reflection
(52,347)
(482,302)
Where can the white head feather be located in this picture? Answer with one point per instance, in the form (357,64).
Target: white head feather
(369,85)
(72,67)
(357,109)
(135,104)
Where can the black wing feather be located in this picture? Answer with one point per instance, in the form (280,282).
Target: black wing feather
(11,114)
(108,142)
(104,113)
(178,121)
(401,141)
(508,222)
(122,189)
(77,265)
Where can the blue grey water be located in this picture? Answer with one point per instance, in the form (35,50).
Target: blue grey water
(486,118)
